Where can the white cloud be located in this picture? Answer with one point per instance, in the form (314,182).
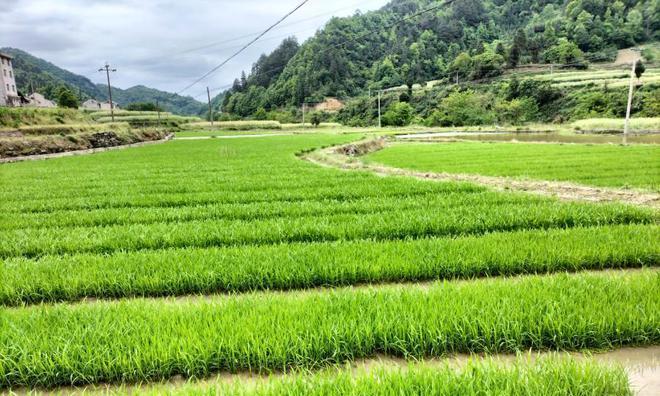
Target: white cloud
(148,41)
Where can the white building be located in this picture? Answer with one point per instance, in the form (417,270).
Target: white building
(93,104)
(38,100)
(8,91)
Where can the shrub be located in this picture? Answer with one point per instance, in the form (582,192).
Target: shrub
(66,98)
(315,118)
(398,114)
(461,109)
(565,52)
(516,111)
(143,106)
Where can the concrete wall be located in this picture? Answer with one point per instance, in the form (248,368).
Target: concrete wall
(8,89)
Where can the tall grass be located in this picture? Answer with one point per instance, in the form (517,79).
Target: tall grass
(549,376)
(306,265)
(236,125)
(645,124)
(142,340)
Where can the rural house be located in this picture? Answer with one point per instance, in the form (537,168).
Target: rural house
(93,104)
(8,92)
(38,100)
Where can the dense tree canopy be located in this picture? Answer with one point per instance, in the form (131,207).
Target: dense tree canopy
(471,39)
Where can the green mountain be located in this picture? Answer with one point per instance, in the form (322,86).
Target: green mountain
(33,73)
(471,39)
(173,103)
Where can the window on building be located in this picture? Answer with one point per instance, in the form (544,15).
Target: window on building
(4,72)
(11,75)
(7,87)
(13,88)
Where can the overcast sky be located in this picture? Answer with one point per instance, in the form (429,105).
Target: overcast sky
(164,44)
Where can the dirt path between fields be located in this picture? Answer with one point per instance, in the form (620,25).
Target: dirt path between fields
(347,157)
(82,152)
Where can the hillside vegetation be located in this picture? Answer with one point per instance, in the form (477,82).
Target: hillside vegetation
(472,39)
(33,73)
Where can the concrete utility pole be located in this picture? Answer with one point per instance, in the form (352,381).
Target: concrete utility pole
(107,70)
(158,110)
(208,93)
(380,124)
(303,113)
(626,128)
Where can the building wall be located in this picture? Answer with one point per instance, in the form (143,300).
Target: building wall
(8,89)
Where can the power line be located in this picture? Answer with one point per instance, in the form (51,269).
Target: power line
(213,44)
(245,46)
(387,26)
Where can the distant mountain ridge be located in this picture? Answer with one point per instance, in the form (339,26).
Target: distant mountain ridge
(45,77)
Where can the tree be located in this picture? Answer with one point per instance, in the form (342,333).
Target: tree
(398,114)
(66,98)
(315,118)
(488,64)
(565,52)
(143,106)
(462,65)
(462,108)
(518,48)
(639,69)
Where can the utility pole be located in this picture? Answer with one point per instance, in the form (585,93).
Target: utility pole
(456,78)
(380,124)
(158,110)
(303,114)
(107,70)
(626,128)
(208,94)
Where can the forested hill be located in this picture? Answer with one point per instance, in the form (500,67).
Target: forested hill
(173,103)
(33,73)
(471,38)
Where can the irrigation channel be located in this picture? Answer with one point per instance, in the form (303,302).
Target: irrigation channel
(641,364)
(531,137)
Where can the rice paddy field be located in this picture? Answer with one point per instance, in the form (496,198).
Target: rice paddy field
(150,270)
(603,165)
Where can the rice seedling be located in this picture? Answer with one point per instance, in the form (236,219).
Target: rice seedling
(547,376)
(306,265)
(144,340)
(597,165)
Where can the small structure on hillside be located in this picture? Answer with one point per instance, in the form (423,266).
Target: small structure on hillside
(38,100)
(8,91)
(330,105)
(93,104)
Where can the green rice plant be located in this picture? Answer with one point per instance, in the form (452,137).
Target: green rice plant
(548,376)
(144,340)
(307,265)
(597,165)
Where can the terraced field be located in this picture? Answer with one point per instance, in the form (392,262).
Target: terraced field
(195,258)
(611,78)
